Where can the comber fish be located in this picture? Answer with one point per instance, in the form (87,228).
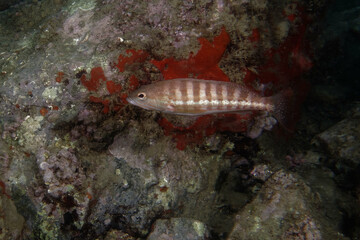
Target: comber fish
(187,96)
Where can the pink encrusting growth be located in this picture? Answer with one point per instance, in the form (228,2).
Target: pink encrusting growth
(97,78)
(204,65)
(135,56)
(59,77)
(205,126)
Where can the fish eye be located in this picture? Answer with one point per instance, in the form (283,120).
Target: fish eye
(141,96)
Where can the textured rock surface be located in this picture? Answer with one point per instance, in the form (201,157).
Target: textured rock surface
(343,140)
(178,229)
(12,223)
(285,208)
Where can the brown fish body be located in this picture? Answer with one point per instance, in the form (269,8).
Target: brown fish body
(187,96)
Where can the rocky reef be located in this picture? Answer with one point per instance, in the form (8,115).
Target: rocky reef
(78,162)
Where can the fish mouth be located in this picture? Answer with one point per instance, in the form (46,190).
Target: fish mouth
(133,101)
(130,100)
(140,104)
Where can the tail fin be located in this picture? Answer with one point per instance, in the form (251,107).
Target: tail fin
(284,110)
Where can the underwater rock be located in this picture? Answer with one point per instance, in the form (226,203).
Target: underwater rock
(342,140)
(12,224)
(179,229)
(64,195)
(165,177)
(118,235)
(261,172)
(121,200)
(264,121)
(61,171)
(285,208)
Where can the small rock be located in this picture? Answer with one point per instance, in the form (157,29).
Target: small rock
(342,140)
(179,229)
(118,235)
(261,172)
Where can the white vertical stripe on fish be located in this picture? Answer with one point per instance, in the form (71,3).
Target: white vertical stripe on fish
(202,91)
(178,94)
(203,98)
(213,96)
(249,98)
(190,93)
(167,89)
(236,94)
(224,94)
(235,97)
